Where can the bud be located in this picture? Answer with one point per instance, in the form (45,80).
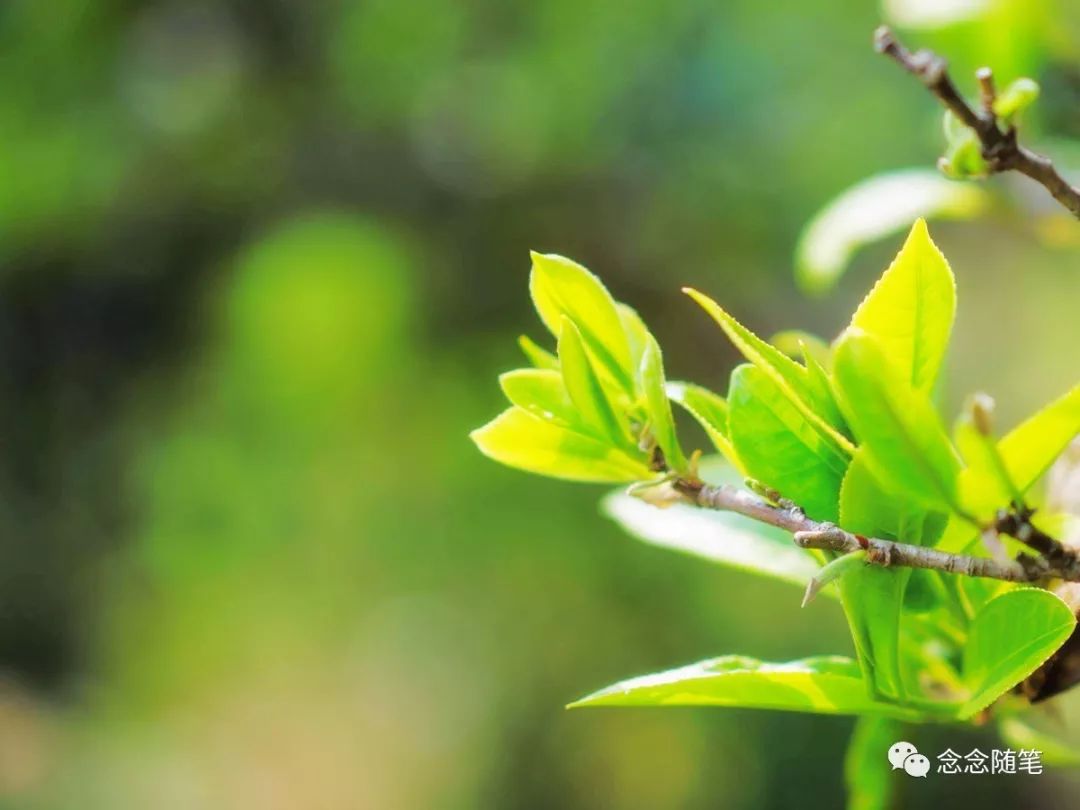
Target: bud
(1015,98)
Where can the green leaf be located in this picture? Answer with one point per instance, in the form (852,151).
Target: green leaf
(777,446)
(872,210)
(561,287)
(906,445)
(817,407)
(537,355)
(1015,98)
(821,685)
(911,308)
(637,334)
(661,422)
(518,439)
(1029,449)
(586,391)
(867,773)
(711,412)
(1010,637)
(720,537)
(540,392)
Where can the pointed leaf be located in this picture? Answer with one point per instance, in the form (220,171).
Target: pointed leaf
(911,308)
(561,287)
(519,439)
(537,355)
(711,412)
(821,685)
(789,376)
(777,446)
(586,391)
(1010,637)
(661,422)
(906,444)
(832,571)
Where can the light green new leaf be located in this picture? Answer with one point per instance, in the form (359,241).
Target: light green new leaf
(911,308)
(518,439)
(1010,637)
(540,392)
(589,395)
(984,485)
(907,448)
(711,412)
(821,685)
(873,210)
(561,287)
(537,355)
(777,446)
(817,407)
(797,343)
(661,422)
(637,333)
(867,772)
(720,537)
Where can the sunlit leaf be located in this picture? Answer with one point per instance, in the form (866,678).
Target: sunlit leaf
(711,412)
(872,210)
(661,422)
(816,406)
(797,343)
(1010,637)
(777,446)
(906,446)
(519,439)
(587,392)
(561,287)
(540,392)
(911,308)
(537,355)
(821,685)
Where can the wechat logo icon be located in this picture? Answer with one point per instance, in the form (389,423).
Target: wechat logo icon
(904,756)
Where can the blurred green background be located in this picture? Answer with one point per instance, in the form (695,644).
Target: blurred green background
(260,263)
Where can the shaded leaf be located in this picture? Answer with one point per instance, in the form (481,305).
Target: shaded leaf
(518,439)
(1010,637)
(821,685)
(910,311)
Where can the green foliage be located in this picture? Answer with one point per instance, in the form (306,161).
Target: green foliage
(822,685)
(867,773)
(1009,638)
(850,434)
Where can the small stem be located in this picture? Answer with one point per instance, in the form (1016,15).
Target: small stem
(1000,147)
(810,533)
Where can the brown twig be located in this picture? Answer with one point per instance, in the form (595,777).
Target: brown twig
(810,533)
(1000,148)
